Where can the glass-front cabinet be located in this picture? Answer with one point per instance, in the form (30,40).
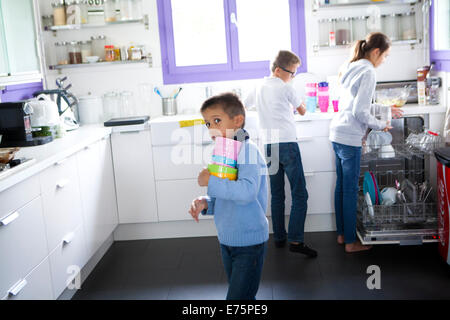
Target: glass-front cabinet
(19,58)
(440,34)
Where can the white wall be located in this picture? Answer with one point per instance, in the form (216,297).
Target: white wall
(401,65)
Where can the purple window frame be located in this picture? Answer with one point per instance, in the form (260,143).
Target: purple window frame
(233,69)
(441,58)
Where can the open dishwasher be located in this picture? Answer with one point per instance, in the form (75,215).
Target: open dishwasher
(410,216)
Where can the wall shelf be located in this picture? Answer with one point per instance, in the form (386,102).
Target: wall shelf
(99,64)
(143,21)
(363,3)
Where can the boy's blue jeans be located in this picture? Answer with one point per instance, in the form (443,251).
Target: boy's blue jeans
(286,156)
(243,266)
(348,161)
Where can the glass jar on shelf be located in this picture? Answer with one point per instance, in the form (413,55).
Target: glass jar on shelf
(86,50)
(73,12)
(98,46)
(84,11)
(126,9)
(343,31)
(59,13)
(62,55)
(326,33)
(75,53)
(137,9)
(390,24)
(109,53)
(47,21)
(110,7)
(359,28)
(408,26)
(374,23)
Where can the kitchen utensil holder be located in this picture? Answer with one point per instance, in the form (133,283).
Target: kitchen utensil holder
(169,106)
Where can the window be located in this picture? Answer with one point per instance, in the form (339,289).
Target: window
(440,34)
(215,40)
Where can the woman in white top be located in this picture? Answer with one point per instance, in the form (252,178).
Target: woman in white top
(349,126)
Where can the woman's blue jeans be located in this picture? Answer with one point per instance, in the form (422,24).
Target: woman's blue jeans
(285,158)
(348,161)
(243,266)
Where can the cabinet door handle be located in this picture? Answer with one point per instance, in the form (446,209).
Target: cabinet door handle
(60,162)
(130,132)
(61,184)
(15,289)
(309,174)
(9,218)
(68,238)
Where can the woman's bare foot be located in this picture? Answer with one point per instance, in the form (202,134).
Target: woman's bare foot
(340,239)
(356,247)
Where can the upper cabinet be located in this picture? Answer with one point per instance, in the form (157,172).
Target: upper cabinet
(19,58)
(440,34)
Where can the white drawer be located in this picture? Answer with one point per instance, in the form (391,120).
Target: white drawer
(171,133)
(313,128)
(18,195)
(70,255)
(320,186)
(36,286)
(62,209)
(22,244)
(317,154)
(181,161)
(175,197)
(60,171)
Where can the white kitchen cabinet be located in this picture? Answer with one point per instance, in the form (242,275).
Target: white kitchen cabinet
(313,128)
(98,195)
(67,259)
(37,285)
(178,131)
(175,197)
(135,182)
(182,161)
(22,243)
(18,195)
(317,154)
(61,200)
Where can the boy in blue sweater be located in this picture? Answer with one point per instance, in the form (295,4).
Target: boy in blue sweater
(239,207)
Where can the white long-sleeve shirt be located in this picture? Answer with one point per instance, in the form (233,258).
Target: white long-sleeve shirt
(275,102)
(357,88)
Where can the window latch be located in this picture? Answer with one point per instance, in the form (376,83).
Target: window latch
(233,19)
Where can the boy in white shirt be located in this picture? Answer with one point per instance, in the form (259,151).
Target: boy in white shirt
(275,100)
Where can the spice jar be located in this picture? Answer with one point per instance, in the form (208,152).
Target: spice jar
(116,54)
(59,13)
(408,26)
(86,50)
(326,26)
(109,53)
(61,53)
(47,22)
(75,53)
(98,47)
(110,10)
(359,26)
(390,25)
(84,11)
(73,12)
(343,31)
(134,53)
(126,9)
(137,9)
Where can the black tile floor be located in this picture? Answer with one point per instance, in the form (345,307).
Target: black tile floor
(191,268)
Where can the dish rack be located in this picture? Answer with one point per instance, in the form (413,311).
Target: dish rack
(410,220)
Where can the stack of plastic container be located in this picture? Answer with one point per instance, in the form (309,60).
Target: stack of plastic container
(311,97)
(323,96)
(224,158)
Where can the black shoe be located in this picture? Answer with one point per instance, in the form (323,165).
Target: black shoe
(302,248)
(280,244)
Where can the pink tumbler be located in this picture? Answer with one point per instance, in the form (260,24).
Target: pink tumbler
(323,96)
(336,105)
(227,148)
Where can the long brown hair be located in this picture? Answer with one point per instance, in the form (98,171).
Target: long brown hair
(374,40)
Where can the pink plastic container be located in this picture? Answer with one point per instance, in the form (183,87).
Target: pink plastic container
(335,105)
(311,89)
(227,148)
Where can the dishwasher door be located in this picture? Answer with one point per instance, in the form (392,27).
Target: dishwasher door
(409,221)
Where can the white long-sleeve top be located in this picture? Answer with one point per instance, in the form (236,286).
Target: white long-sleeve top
(357,88)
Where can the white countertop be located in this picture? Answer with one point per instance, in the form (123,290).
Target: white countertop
(46,155)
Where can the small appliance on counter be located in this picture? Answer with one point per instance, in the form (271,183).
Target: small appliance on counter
(126,121)
(45,119)
(67,103)
(15,126)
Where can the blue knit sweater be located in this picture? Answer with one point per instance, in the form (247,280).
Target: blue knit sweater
(239,207)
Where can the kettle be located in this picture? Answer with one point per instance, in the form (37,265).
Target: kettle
(45,112)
